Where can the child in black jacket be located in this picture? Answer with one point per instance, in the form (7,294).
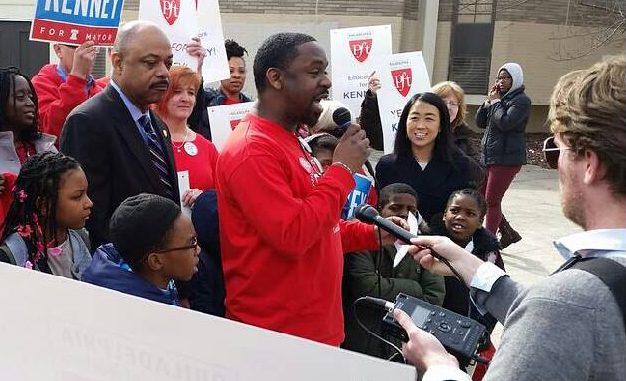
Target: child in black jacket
(462,223)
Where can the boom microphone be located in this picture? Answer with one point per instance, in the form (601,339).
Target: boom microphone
(369,215)
(342,117)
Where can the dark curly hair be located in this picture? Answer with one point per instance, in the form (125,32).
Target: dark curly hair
(473,193)
(33,211)
(233,49)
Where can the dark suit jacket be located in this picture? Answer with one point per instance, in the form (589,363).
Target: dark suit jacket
(102,136)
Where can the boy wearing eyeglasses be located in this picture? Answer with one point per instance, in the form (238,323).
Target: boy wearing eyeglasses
(152,245)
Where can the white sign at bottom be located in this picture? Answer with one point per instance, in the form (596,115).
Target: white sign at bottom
(57,329)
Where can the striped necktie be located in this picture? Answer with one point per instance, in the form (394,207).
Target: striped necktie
(157,155)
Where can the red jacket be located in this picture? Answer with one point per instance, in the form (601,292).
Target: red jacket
(281,237)
(6,197)
(57,98)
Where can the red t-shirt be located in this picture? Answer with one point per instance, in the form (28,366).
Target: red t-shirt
(228,101)
(282,241)
(201,166)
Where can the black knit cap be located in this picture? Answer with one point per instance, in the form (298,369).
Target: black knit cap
(140,223)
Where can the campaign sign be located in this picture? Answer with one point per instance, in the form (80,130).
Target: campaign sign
(358,196)
(73,22)
(223,119)
(177,18)
(183,19)
(210,31)
(401,76)
(354,53)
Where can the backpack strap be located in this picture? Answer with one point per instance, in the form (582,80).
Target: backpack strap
(84,235)
(610,273)
(6,256)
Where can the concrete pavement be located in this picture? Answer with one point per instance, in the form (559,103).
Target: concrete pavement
(532,206)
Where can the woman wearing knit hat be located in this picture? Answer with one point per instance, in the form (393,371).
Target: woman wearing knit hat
(504,115)
(153,244)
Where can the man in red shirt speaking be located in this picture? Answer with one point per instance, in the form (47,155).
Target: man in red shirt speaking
(281,236)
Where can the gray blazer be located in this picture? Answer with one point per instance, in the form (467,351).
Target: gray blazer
(9,162)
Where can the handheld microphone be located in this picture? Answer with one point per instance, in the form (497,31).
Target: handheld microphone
(369,215)
(342,117)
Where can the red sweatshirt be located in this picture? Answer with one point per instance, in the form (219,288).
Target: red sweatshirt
(57,98)
(282,240)
(6,197)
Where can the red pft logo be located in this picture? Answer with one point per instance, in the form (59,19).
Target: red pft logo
(402,79)
(360,48)
(234,123)
(170,10)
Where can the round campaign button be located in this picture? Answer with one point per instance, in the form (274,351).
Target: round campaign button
(191,149)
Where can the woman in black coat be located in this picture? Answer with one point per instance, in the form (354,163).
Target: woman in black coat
(504,116)
(424,155)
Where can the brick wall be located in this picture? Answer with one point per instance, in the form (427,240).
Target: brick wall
(544,12)
(250,22)
(390,8)
(536,48)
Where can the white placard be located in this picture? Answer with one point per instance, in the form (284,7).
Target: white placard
(103,335)
(402,249)
(177,18)
(354,53)
(183,19)
(183,186)
(401,76)
(223,119)
(215,67)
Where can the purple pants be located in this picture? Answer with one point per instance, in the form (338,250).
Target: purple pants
(497,181)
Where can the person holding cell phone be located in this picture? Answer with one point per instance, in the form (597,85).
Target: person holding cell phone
(504,116)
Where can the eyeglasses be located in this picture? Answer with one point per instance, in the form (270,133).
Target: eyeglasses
(452,104)
(193,245)
(551,152)
(503,78)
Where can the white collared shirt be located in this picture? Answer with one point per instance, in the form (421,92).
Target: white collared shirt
(135,112)
(593,243)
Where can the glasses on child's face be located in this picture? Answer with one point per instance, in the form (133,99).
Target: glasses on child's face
(503,78)
(551,152)
(193,245)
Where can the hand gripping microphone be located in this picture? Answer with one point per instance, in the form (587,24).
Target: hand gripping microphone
(342,117)
(458,333)
(369,215)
